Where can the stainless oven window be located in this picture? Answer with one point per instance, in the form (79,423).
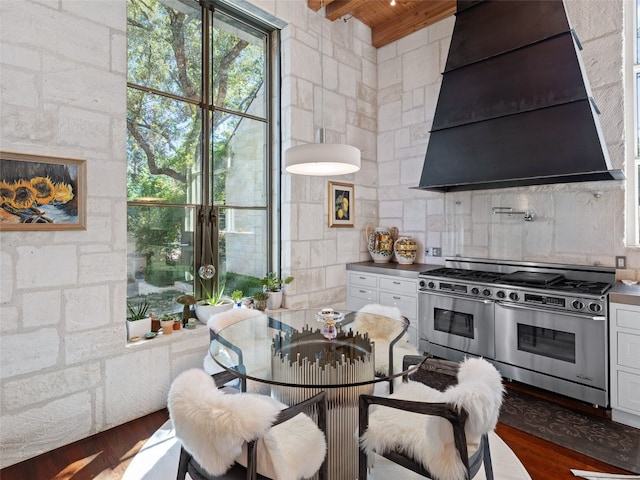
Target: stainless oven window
(454,323)
(547,342)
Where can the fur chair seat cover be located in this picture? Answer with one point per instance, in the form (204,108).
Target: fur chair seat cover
(429,439)
(214,427)
(255,368)
(374,320)
(223,319)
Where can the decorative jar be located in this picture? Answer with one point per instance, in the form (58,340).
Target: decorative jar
(405,250)
(380,244)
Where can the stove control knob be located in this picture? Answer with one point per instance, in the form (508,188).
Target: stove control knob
(422,284)
(475,290)
(514,296)
(431,285)
(486,292)
(500,294)
(595,307)
(577,305)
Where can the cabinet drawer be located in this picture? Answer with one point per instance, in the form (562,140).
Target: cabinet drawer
(363,293)
(406,287)
(408,305)
(628,316)
(363,280)
(629,350)
(629,391)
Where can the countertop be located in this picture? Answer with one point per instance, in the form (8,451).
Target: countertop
(392,268)
(625,294)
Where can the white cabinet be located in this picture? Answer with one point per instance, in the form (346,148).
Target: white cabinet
(625,363)
(364,288)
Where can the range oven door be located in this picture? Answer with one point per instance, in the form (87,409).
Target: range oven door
(458,323)
(561,344)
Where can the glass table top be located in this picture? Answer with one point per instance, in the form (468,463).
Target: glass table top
(291,348)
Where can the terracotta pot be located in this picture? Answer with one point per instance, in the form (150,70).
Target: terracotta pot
(167,326)
(177,324)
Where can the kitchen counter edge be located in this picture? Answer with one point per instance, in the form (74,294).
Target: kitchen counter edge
(396,269)
(625,294)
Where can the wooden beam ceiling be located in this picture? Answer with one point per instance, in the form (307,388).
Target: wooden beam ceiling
(388,22)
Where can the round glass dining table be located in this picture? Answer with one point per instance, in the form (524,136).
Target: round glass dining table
(294,354)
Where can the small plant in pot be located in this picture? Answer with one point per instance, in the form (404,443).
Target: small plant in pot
(213,302)
(138,320)
(236,296)
(166,322)
(272,285)
(260,300)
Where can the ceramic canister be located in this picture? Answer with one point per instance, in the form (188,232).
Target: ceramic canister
(405,250)
(381,245)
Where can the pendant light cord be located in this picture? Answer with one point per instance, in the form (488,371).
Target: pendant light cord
(321,139)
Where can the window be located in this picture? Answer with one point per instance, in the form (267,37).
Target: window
(200,127)
(632,81)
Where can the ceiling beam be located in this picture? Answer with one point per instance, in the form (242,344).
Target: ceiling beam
(425,14)
(316,5)
(339,8)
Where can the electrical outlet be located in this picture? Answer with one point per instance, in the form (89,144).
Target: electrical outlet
(621,262)
(426,251)
(437,251)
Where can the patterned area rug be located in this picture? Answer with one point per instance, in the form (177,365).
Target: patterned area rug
(597,437)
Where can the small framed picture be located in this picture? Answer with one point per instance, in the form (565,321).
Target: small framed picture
(42,193)
(341,205)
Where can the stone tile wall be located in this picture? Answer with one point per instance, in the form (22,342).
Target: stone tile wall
(579,223)
(65,371)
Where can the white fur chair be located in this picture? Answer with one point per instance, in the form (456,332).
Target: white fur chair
(243,359)
(224,433)
(391,341)
(432,432)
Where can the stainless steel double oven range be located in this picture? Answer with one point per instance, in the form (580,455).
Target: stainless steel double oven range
(545,325)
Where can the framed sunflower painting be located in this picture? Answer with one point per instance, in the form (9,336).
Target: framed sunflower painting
(41,193)
(341,204)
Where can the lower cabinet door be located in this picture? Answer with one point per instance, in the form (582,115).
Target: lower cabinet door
(629,391)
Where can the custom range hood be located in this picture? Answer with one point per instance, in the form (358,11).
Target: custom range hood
(514,108)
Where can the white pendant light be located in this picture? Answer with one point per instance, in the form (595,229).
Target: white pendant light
(322,158)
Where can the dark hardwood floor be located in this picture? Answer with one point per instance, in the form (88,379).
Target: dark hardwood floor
(105,456)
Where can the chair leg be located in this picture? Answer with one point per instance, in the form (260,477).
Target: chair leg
(488,466)
(183,464)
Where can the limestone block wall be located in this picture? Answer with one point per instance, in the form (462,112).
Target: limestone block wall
(330,80)
(65,369)
(581,223)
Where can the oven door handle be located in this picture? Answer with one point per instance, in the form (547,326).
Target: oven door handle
(449,295)
(561,312)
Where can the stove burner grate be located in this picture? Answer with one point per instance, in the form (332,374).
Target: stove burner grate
(521,278)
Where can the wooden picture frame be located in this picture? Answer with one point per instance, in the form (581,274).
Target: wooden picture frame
(42,193)
(341,204)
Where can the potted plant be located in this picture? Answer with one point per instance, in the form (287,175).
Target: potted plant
(272,285)
(260,300)
(236,296)
(138,321)
(166,322)
(214,302)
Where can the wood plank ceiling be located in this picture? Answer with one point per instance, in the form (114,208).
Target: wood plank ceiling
(388,22)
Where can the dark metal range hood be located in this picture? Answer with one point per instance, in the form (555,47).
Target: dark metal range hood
(514,108)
